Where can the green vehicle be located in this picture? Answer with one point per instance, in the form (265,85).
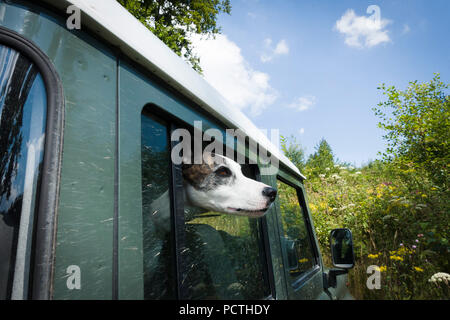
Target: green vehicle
(89,101)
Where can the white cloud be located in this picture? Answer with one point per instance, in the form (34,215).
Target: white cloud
(269,53)
(363,31)
(303,103)
(282,47)
(225,69)
(301,130)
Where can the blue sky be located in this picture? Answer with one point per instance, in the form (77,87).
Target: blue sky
(311,68)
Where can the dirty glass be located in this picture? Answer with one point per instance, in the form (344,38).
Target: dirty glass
(223,255)
(296,239)
(22,126)
(159,279)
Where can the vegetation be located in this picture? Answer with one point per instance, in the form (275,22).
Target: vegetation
(397,207)
(173,20)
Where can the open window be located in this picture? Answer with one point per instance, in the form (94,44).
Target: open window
(190,253)
(224,255)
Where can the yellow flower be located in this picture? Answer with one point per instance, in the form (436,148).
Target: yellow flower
(381,269)
(402,251)
(397,258)
(418,269)
(372,256)
(303,260)
(424,195)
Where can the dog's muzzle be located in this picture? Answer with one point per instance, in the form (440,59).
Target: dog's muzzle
(270,193)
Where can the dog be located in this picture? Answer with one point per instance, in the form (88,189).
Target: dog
(218,184)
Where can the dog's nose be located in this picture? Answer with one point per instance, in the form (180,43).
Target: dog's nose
(269,192)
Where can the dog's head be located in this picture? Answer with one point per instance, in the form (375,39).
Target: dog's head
(218,184)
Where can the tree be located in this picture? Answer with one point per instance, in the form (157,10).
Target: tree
(417,122)
(293,151)
(321,159)
(173,20)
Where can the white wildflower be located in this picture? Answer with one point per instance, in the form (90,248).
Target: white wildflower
(335,176)
(440,277)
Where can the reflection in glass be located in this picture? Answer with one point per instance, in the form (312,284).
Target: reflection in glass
(22,126)
(296,240)
(223,257)
(159,280)
(342,247)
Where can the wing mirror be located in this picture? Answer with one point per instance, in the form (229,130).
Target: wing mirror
(341,243)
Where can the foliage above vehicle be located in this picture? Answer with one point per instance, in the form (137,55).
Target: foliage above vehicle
(173,20)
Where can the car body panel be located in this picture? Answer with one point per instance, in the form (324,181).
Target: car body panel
(99,226)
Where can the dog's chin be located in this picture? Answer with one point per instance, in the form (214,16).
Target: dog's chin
(247,212)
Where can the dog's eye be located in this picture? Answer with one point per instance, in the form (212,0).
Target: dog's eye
(223,172)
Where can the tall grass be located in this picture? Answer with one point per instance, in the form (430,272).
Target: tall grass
(400,225)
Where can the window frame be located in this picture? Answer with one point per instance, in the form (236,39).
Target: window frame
(305,276)
(177,209)
(44,233)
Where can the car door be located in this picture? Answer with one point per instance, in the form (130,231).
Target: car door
(301,256)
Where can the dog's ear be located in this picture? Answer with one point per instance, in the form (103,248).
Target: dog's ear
(195,174)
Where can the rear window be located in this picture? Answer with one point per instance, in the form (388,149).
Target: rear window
(22,125)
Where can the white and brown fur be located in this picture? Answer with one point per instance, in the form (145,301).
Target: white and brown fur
(218,184)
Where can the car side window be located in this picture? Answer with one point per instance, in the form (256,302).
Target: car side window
(296,237)
(200,254)
(23,110)
(158,237)
(225,255)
